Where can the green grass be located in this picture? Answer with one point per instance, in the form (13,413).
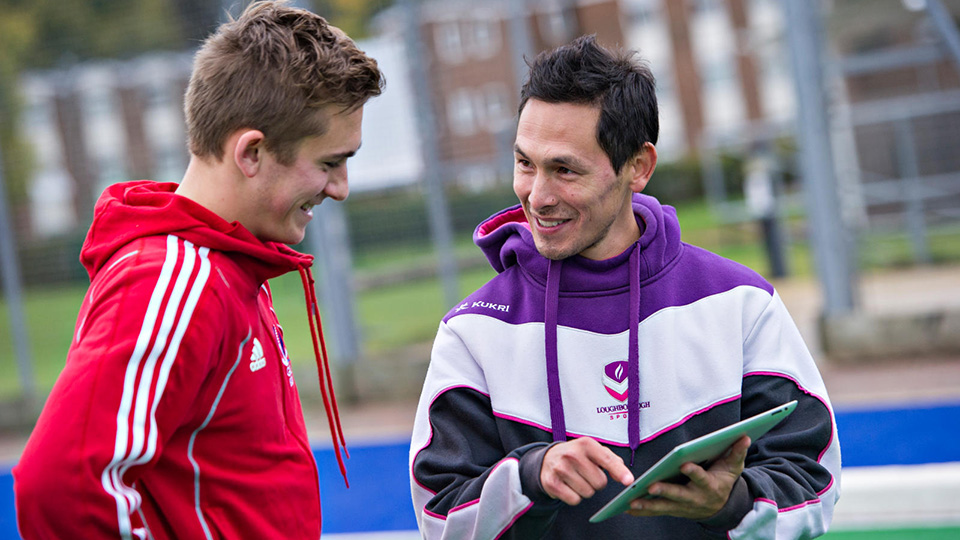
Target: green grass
(932,533)
(897,249)
(389,317)
(399,315)
(50,315)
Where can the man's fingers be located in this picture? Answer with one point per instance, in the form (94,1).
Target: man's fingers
(735,458)
(567,495)
(577,469)
(558,489)
(615,466)
(583,483)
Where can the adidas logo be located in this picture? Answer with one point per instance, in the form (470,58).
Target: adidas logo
(257,360)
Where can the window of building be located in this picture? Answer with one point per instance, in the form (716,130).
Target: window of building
(461,115)
(641,12)
(485,37)
(554,25)
(705,6)
(496,106)
(449,41)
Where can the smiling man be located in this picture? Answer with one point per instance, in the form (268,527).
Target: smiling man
(177,414)
(615,342)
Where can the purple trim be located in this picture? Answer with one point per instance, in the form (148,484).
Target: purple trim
(434,514)
(613,443)
(807,392)
(804,504)
(514,520)
(826,489)
(633,356)
(521,421)
(430,438)
(475,501)
(548,430)
(766,501)
(462,506)
(597,299)
(671,273)
(688,417)
(799,506)
(550,309)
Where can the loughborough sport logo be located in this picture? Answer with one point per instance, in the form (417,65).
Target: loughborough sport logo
(615,379)
(616,382)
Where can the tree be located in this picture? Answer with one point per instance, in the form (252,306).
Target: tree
(17,36)
(351,16)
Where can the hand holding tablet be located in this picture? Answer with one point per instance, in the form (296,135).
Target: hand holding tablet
(702,450)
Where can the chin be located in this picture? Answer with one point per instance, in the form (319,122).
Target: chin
(551,252)
(288,239)
(293,241)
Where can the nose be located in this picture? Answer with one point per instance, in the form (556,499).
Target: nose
(337,185)
(541,191)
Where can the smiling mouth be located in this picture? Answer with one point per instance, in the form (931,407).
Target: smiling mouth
(549,224)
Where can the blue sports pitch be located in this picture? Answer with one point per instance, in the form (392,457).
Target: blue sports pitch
(379,496)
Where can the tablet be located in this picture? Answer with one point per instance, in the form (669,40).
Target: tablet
(702,451)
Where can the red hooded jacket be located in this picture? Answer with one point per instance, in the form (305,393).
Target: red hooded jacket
(176,414)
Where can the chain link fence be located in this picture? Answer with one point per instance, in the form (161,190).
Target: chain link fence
(91,94)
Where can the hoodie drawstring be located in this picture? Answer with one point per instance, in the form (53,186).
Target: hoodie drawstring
(550,309)
(323,369)
(633,357)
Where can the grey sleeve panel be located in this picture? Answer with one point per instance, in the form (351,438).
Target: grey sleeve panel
(464,451)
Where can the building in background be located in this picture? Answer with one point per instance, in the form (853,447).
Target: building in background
(722,69)
(98,123)
(474,63)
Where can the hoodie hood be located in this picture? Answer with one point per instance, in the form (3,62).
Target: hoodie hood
(506,240)
(132,210)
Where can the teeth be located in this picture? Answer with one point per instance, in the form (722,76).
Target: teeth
(548,224)
(306,207)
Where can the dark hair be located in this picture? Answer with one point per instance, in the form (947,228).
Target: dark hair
(617,82)
(273,69)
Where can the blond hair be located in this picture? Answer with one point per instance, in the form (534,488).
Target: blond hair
(272,69)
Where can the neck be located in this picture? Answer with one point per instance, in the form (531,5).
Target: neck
(210,184)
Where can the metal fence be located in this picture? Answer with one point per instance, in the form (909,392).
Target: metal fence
(92,121)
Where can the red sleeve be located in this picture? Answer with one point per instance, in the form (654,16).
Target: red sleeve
(131,376)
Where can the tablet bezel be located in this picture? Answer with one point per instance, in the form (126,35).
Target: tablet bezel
(702,450)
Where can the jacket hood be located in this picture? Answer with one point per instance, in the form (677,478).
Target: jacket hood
(506,240)
(132,210)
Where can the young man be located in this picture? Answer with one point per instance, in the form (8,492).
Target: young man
(604,341)
(177,415)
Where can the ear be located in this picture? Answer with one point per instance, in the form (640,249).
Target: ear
(248,151)
(640,167)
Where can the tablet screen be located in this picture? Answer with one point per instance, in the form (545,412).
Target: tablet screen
(702,451)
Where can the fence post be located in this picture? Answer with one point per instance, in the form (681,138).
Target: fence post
(330,244)
(441,227)
(831,239)
(12,289)
(943,21)
(912,189)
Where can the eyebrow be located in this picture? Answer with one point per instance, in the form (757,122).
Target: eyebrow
(342,155)
(561,161)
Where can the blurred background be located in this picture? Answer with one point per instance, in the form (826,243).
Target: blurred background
(817,142)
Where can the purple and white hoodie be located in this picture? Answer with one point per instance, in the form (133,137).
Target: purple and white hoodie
(656,346)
